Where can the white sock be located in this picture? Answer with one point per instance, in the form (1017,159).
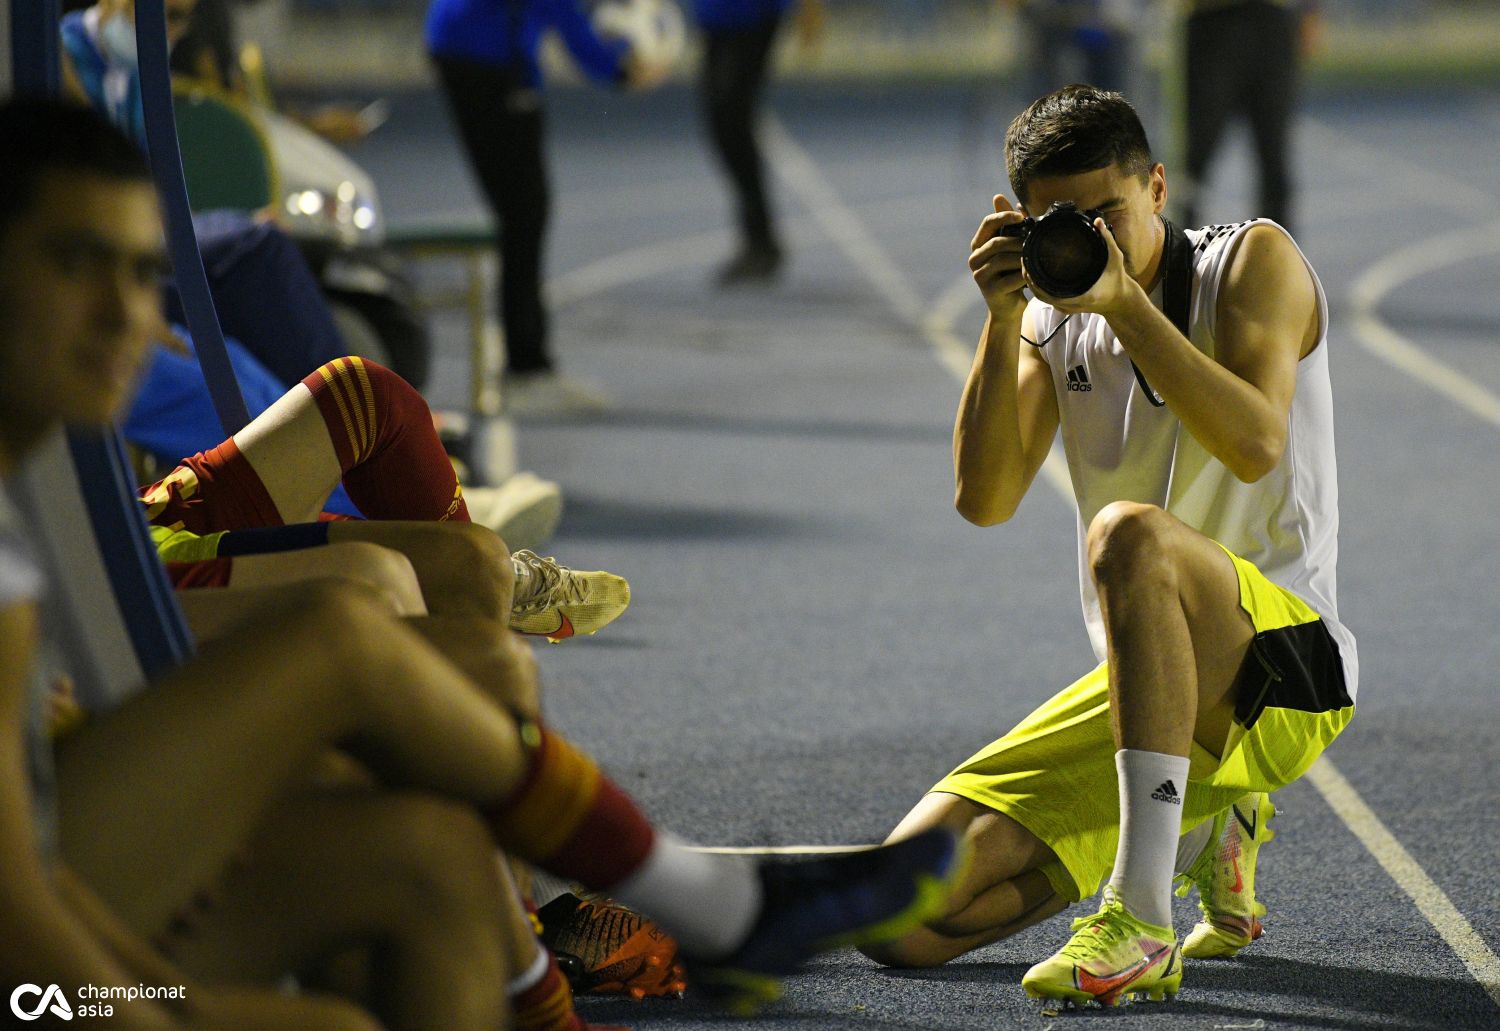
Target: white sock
(531,976)
(1151,789)
(707,901)
(521,589)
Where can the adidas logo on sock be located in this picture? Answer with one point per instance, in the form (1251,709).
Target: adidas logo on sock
(1078,379)
(1167,792)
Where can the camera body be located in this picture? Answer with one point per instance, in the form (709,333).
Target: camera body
(1063,252)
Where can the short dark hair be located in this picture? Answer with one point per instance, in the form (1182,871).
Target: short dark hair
(40,136)
(1075,129)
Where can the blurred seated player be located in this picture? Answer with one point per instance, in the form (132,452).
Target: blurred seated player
(357,423)
(424,564)
(194,834)
(265,294)
(268,301)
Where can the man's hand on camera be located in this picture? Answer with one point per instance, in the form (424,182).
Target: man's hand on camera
(1112,291)
(995,262)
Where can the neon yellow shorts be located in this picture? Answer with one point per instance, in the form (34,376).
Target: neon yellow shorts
(1055,772)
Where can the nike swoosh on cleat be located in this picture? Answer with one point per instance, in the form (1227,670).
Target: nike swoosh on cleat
(1107,986)
(1254,819)
(1239,880)
(564,628)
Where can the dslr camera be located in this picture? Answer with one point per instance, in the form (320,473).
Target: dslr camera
(1064,253)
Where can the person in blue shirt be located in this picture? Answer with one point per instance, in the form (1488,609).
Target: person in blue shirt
(485,52)
(738,36)
(101,62)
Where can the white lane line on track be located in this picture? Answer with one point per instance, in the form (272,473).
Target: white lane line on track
(806,179)
(1397,269)
(845,228)
(637,263)
(695,250)
(850,233)
(1406,872)
(1417,181)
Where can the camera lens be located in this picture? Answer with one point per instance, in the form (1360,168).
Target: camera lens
(1064,253)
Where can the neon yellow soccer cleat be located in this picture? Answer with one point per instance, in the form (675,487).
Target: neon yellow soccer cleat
(1112,956)
(1225,878)
(556,602)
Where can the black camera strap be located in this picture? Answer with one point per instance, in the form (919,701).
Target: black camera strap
(1176,294)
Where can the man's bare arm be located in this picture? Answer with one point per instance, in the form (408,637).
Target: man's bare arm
(49,942)
(1007,416)
(1236,404)
(1006,421)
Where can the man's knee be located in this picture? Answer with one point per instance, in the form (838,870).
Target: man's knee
(513,672)
(347,621)
(478,550)
(1129,541)
(386,572)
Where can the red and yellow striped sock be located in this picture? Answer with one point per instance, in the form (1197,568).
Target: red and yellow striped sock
(571,820)
(548,1004)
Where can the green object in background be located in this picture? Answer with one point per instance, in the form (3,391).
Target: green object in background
(225,156)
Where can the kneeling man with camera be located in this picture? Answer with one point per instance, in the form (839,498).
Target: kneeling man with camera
(1187,372)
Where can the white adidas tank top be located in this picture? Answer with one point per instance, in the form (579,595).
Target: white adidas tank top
(1121,448)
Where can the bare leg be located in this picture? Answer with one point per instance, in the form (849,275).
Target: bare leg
(1177,634)
(411,876)
(498,660)
(489,653)
(1004,890)
(288,447)
(386,572)
(464,568)
(199,758)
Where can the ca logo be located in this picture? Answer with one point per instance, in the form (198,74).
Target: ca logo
(53,995)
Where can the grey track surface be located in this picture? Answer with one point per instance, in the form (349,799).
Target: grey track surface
(816,635)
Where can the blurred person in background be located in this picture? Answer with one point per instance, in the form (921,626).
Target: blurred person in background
(1244,58)
(485,52)
(1088,41)
(738,37)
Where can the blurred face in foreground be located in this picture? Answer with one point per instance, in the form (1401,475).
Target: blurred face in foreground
(80,302)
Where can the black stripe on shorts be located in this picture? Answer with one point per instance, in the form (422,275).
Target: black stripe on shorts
(1293,667)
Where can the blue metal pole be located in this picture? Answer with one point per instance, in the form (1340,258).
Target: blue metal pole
(33,46)
(182,241)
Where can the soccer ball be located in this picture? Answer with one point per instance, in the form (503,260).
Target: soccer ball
(655,29)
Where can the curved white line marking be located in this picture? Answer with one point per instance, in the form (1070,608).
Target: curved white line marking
(1395,270)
